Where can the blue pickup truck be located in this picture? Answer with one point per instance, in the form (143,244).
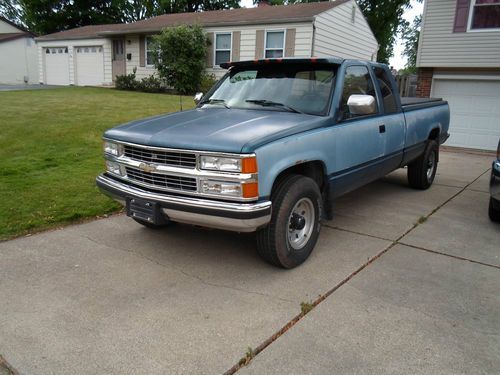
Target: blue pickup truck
(270,147)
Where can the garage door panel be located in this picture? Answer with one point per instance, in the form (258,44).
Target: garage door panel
(56,66)
(89,66)
(474,110)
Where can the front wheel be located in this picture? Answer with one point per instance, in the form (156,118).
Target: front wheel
(422,171)
(294,228)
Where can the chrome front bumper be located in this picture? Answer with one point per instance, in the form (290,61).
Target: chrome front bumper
(238,217)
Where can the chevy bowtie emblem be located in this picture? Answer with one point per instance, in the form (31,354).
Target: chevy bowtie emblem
(147,167)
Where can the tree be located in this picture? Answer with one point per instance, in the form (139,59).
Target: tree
(48,16)
(410,36)
(180,56)
(385,18)
(11,10)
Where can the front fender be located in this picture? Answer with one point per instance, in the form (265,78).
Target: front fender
(278,156)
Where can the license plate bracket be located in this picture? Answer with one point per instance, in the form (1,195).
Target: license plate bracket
(145,210)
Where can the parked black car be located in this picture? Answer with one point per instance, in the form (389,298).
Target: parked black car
(494,210)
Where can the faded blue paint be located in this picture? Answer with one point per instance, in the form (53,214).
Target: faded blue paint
(353,152)
(215,129)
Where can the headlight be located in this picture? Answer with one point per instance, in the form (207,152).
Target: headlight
(112,148)
(232,189)
(225,164)
(113,167)
(220,164)
(221,188)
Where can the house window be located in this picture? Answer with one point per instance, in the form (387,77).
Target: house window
(222,48)
(149,51)
(485,14)
(275,41)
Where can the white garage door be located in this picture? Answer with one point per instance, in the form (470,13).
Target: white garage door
(89,66)
(56,66)
(474,109)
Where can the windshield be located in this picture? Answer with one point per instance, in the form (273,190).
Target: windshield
(276,87)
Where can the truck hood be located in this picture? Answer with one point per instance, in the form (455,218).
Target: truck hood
(215,129)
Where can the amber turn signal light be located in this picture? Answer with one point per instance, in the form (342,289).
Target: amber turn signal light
(249,165)
(250,190)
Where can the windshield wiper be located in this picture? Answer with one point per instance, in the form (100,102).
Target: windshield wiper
(270,103)
(216,101)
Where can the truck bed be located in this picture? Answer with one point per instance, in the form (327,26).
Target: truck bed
(411,103)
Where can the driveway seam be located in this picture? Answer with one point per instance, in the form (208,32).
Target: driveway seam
(187,274)
(449,255)
(252,353)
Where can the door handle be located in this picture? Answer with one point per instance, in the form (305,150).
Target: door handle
(381,128)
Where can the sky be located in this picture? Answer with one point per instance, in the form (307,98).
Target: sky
(397,61)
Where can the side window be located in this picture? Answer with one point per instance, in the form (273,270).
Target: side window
(357,81)
(386,89)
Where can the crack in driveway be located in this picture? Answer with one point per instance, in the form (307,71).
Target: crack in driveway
(244,361)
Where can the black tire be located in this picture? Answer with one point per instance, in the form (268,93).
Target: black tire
(154,226)
(274,244)
(493,212)
(421,172)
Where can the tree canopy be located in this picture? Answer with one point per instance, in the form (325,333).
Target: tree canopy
(48,16)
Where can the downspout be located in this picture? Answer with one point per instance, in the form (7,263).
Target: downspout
(313,36)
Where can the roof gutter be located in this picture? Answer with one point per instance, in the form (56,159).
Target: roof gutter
(204,25)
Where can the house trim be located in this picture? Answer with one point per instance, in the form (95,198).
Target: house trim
(215,66)
(274,49)
(469,21)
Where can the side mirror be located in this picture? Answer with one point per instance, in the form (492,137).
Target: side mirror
(362,105)
(197,97)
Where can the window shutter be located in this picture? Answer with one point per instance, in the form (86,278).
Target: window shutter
(290,43)
(142,51)
(236,46)
(259,44)
(210,51)
(461,16)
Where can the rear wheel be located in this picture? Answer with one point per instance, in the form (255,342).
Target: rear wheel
(294,228)
(493,212)
(422,171)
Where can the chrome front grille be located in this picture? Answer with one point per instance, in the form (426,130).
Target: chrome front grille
(172,158)
(162,181)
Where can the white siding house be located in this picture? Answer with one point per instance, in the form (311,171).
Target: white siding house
(95,55)
(18,62)
(459,60)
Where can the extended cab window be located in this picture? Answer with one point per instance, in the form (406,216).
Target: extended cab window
(277,87)
(357,81)
(388,97)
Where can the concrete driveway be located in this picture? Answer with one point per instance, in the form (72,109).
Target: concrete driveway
(404,281)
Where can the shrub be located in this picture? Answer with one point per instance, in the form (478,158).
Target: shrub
(152,84)
(180,57)
(126,82)
(207,81)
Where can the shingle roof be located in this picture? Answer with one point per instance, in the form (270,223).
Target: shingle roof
(4,37)
(242,16)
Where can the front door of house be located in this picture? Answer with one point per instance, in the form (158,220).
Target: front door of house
(118,66)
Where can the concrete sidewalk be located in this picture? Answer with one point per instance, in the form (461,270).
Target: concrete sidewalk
(112,297)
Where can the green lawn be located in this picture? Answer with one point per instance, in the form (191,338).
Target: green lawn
(51,152)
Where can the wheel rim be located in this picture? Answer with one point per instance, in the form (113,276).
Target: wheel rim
(431,166)
(301,223)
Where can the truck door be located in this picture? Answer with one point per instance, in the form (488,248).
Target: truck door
(359,145)
(393,120)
